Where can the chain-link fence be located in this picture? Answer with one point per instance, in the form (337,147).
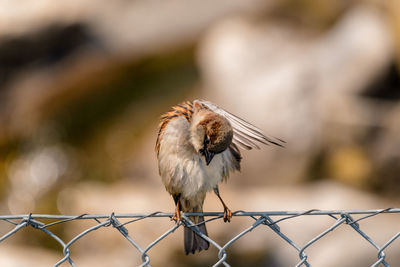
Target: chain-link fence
(270,220)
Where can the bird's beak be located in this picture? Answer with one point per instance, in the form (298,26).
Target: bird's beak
(208,155)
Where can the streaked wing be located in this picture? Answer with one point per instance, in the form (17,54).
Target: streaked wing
(245,135)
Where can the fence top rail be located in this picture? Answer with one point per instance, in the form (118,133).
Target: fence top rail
(260,219)
(209,214)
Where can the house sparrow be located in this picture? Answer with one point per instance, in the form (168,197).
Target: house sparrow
(197,147)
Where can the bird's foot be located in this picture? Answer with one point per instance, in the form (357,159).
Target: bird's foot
(227,214)
(177,216)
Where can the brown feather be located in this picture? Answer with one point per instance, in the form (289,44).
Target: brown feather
(184,109)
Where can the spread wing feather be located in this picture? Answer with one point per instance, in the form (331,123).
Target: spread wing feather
(245,135)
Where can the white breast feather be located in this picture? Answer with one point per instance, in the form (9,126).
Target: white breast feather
(183,170)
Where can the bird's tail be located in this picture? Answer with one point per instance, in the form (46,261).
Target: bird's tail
(192,241)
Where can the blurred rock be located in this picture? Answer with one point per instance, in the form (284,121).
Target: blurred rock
(302,88)
(126,26)
(53,51)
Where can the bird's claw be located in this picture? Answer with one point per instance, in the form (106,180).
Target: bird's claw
(177,217)
(227,214)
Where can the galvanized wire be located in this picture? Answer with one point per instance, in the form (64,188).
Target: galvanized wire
(261,219)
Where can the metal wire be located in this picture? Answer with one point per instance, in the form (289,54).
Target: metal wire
(261,219)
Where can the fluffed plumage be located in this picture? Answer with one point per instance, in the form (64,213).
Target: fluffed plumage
(197,147)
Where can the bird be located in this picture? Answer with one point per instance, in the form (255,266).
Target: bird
(197,147)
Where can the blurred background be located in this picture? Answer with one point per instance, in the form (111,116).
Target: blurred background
(83,84)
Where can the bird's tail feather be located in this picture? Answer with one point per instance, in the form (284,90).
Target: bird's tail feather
(192,241)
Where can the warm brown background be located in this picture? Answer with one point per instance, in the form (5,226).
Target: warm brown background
(83,83)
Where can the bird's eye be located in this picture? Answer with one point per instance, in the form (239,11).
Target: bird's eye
(205,145)
(206,140)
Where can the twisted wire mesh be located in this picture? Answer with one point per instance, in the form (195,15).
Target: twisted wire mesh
(261,219)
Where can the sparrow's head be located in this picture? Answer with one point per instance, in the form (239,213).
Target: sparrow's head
(210,133)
